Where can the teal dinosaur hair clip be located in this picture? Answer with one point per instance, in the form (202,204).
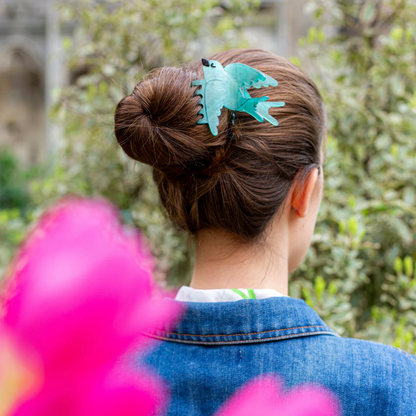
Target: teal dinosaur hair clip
(227,87)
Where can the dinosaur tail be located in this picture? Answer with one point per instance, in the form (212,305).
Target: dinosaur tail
(262,109)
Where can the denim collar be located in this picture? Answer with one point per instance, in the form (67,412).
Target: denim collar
(245,321)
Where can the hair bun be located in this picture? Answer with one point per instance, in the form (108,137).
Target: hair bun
(156,124)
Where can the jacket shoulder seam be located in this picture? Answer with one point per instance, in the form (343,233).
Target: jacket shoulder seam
(252,341)
(406,354)
(237,335)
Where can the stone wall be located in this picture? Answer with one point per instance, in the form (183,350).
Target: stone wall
(22,77)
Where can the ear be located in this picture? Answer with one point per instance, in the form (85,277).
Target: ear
(302,193)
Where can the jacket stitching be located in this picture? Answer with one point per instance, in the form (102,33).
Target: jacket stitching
(237,335)
(406,354)
(242,341)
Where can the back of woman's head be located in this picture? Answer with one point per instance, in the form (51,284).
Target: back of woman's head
(216,182)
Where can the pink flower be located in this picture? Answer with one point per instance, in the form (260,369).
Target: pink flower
(264,396)
(78,297)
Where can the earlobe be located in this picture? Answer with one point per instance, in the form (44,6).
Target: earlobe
(302,193)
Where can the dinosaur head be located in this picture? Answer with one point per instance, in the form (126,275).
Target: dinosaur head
(211,69)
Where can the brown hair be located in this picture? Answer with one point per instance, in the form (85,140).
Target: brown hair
(212,182)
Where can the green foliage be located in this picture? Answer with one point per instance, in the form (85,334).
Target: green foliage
(365,238)
(360,271)
(13,183)
(12,228)
(15,205)
(114,44)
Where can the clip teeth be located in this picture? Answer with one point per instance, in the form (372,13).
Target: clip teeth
(202,113)
(202,110)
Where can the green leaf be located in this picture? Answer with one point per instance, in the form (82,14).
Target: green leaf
(319,287)
(398,265)
(408,266)
(369,12)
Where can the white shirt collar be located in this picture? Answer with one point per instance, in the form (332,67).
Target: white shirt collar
(188,294)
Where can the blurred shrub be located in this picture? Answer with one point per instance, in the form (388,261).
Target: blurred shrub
(359,273)
(14,191)
(16,205)
(13,226)
(113,45)
(364,248)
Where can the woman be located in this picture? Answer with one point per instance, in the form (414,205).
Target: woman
(250,195)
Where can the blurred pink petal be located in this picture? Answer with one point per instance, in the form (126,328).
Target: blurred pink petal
(258,396)
(19,375)
(263,396)
(100,394)
(310,401)
(78,297)
(129,395)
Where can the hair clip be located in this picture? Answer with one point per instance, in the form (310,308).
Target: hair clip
(227,87)
(232,124)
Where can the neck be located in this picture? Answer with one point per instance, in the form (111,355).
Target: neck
(223,263)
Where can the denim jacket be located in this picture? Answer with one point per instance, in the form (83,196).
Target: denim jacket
(217,347)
